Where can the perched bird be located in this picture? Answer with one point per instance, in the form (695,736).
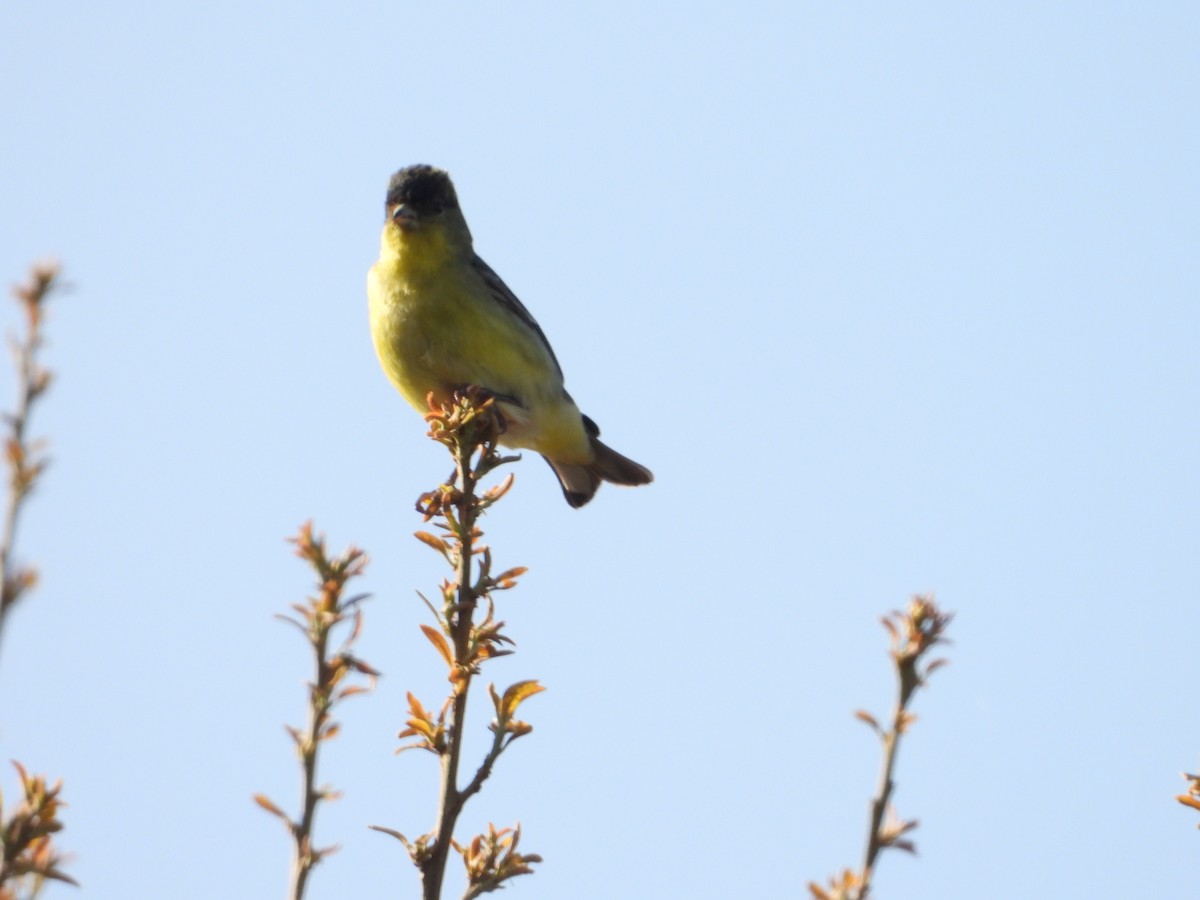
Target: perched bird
(441,319)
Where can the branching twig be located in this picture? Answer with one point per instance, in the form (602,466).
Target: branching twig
(26,851)
(468,426)
(322,614)
(914,632)
(28,857)
(26,460)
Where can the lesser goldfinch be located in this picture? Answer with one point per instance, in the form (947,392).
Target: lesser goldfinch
(441,319)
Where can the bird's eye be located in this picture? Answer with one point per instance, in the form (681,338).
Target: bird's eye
(437,207)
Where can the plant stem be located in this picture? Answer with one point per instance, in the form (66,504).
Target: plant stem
(450,799)
(12,508)
(318,712)
(883,793)
(23,470)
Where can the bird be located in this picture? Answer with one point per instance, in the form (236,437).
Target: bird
(442,319)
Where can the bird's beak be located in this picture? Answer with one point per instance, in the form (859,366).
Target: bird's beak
(405,217)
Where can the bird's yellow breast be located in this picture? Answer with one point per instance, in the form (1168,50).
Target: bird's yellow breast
(436,327)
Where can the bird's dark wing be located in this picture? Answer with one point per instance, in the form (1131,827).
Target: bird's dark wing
(506,298)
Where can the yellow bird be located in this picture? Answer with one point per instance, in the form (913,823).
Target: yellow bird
(441,319)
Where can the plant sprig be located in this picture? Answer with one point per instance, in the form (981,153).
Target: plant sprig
(914,632)
(327,609)
(26,457)
(28,855)
(468,426)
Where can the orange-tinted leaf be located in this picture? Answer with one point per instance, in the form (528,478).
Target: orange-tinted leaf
(58,875)
(935,665)
(495,493)
(265,802)
(864,716)
(365,668)
(439,642)
(415,706)
(422,745)
(435,542)
(418,727)
(1188,800)
(487,652)
(397,835)
(516,694)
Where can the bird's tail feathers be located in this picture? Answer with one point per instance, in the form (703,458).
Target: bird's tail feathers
(581,481)
(612,466)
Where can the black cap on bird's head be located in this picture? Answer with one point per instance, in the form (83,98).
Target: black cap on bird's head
(417,192)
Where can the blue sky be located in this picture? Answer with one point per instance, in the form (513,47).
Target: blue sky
(890,299)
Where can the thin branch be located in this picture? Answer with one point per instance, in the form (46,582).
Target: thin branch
(883,793)
(25,462)
(28,856)
(324,612)
(468,427)
(914,632)
(450,799)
